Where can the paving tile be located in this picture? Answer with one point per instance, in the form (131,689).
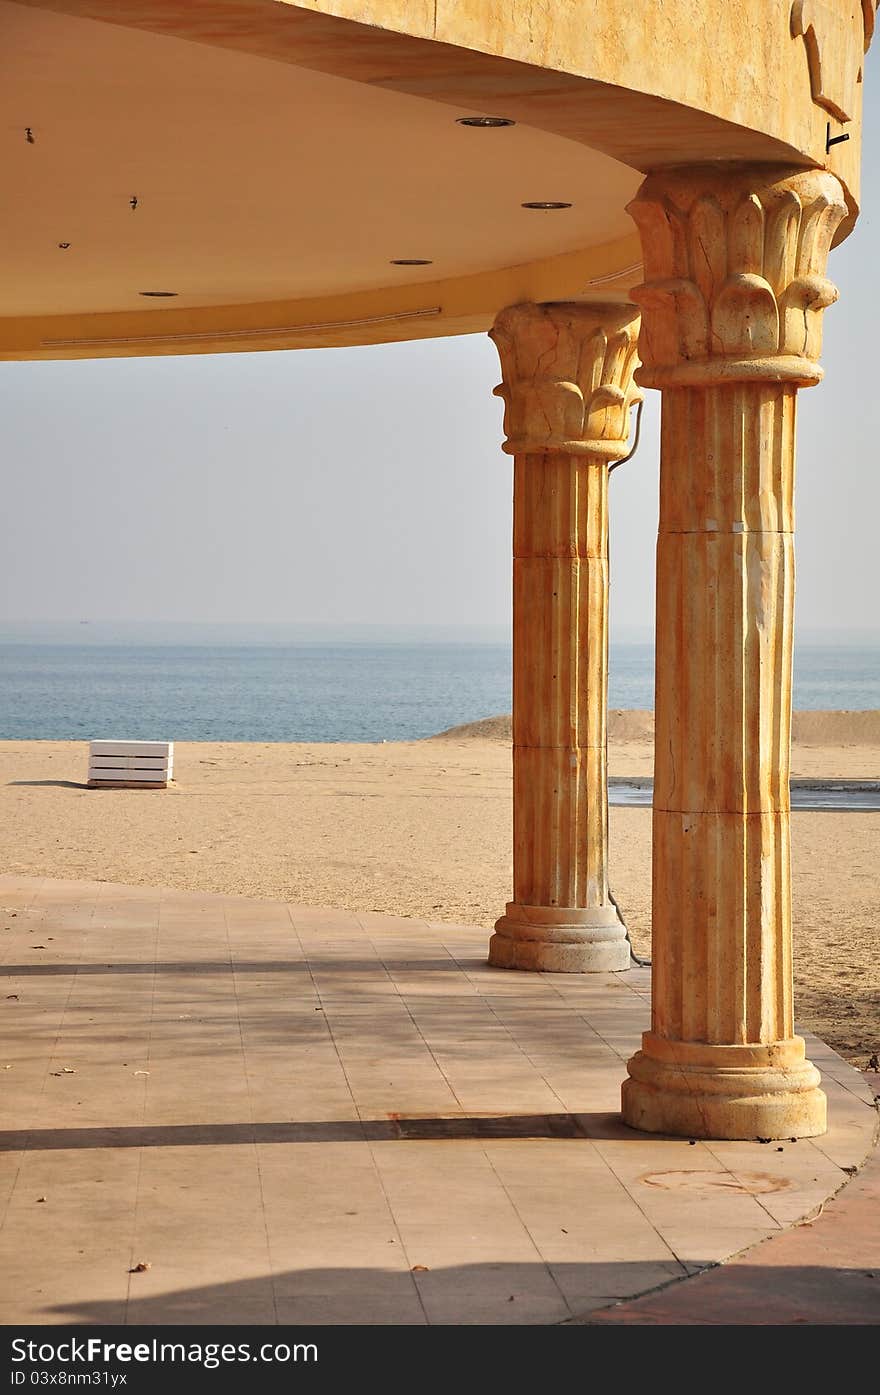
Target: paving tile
(51,1293)
(491,1292)
(590,1285)
(283,1164)
(804,1174)
(848,1095)
(178,1292)
(363,1297)
(846,1142)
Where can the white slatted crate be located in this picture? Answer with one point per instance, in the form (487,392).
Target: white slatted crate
(130,764)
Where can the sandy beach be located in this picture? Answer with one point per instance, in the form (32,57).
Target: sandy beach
(424,829)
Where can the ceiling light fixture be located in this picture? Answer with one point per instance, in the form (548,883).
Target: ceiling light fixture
(546,204)
(411,261)
(64,246)
(484,122)
(159,295)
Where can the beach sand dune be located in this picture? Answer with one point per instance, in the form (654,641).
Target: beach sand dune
(424,829)
(830,745)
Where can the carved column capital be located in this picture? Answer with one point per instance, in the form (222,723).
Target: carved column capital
(568,377)
(735,280)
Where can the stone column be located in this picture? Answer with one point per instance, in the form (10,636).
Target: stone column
(732,308)
(568,387)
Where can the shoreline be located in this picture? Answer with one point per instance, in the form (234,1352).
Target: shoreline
(825,728)
(836,726)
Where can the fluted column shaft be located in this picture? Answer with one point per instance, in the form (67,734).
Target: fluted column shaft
(732,303)
(560,681)
(725,600)
(568,386)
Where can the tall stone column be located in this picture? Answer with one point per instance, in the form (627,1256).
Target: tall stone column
(732,308)
(568,387)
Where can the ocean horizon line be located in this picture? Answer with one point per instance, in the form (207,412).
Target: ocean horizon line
(245,632)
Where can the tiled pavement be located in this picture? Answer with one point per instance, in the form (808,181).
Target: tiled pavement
(311,1116)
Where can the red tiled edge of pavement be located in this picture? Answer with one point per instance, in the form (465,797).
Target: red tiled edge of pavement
(825,1271)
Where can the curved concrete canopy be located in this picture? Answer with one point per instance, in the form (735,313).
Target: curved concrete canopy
(259,181)
(263,185)
(283,157)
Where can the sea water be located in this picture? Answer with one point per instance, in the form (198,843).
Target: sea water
(311,683)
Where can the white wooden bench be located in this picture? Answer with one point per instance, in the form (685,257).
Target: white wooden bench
(141,765)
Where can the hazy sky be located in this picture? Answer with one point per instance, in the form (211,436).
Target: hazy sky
(368,485)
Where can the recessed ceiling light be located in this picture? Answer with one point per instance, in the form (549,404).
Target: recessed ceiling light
(159,295)
(484,122)
(411,261)
(64,246)
(545,204)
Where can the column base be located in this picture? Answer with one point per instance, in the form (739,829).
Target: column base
(560,940)
(698,1090)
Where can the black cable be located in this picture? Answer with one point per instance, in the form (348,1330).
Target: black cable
(635,445)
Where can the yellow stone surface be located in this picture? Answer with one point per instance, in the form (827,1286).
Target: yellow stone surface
(568,389)
(732,300)
(670,85)
(747,113)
